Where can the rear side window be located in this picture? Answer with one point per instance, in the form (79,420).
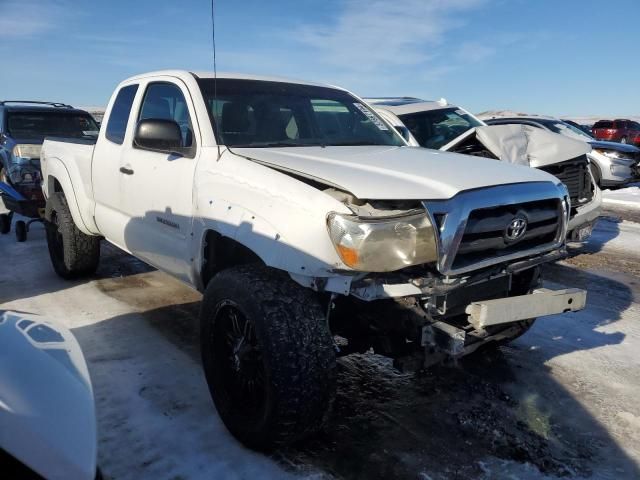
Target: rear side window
(603,124)
(119,116)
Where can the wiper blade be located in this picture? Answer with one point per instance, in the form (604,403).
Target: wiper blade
(271,144)
(353,144)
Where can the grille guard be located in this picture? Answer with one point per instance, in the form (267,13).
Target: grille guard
(455,212)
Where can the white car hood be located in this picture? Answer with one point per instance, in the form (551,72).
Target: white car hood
(394,173)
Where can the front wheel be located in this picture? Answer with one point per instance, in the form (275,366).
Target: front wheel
(73,253)
(268,356)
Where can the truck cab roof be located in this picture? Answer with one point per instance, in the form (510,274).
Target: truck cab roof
(405,105)
(186,74)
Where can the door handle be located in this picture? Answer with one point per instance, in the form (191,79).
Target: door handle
(126,171)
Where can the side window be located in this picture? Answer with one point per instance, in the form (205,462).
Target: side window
(119,116)
(165,101)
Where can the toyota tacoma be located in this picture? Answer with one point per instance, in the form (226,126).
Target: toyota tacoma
(313,231)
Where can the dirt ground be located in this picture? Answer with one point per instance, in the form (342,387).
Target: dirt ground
(561,402)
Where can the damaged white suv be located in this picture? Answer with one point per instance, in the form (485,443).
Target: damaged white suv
(442,126)
(313,230)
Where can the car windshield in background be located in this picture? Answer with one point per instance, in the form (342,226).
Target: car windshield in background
(567,130)
(603,124)
(255,113)
(50,124)
(436,128)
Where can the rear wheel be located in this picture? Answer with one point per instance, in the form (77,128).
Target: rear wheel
(72,252)
(21,231)
(268,356)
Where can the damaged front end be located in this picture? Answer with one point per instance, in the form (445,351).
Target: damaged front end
(480,281)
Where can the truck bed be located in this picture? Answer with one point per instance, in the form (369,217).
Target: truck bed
(69,159)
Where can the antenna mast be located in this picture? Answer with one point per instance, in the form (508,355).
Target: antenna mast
(215,74)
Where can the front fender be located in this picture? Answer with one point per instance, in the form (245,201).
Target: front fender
(279,218)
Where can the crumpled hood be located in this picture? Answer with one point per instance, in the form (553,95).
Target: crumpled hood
(527,145)
(394,173)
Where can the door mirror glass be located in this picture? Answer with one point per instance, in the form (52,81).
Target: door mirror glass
(404,132)
(160,135)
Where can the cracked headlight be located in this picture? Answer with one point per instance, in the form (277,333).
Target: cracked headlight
(609,153)
(383,244)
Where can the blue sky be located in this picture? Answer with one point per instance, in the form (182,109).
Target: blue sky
(570,57)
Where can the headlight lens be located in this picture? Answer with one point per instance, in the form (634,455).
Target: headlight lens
(608,153)
(27,151)
(382,244)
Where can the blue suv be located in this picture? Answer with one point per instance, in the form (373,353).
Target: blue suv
(23,128)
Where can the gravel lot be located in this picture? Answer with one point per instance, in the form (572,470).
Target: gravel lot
(562,401)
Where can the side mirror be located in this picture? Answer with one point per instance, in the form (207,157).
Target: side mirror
(160,135)
(404,132)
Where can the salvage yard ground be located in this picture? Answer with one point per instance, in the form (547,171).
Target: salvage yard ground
(560,402)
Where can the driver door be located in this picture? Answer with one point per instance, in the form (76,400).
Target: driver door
(157,186)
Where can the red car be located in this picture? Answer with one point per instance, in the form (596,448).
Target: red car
(619,130)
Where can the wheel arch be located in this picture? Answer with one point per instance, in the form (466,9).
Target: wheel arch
(219,252)
(58,181)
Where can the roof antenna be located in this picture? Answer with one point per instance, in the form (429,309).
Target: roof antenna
(215,75)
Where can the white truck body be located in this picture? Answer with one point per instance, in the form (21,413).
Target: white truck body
(162,213)
(310,220)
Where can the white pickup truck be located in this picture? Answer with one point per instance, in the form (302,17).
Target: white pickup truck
(313,230)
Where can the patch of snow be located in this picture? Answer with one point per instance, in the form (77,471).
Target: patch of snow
(628,197)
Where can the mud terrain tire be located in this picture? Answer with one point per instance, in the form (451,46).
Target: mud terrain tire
(288,360)
(73,253)
(5,223)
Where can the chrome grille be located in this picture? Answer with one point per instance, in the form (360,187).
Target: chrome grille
(472,225)
(484,235)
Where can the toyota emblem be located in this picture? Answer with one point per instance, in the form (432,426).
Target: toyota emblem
(516,229)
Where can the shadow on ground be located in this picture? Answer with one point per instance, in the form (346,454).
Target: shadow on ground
(26,271)
(479,418)
(489,412)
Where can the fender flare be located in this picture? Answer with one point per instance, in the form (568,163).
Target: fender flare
(57,171)
(261,237)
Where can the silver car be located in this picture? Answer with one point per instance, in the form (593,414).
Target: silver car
(612,164)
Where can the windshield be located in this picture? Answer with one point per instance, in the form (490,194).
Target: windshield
(436,128)
(567,130)
(255,113)
(54,124)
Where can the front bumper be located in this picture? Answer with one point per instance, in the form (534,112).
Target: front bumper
(614,171)
(540,303)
